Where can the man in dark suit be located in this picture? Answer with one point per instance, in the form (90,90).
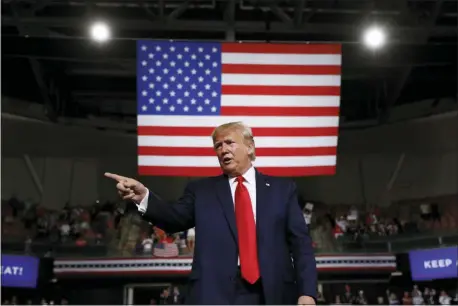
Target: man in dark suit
(252,243)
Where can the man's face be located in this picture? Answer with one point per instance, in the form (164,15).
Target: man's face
(233,151)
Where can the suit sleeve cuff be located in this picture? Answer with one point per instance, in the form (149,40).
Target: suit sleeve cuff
(143,205)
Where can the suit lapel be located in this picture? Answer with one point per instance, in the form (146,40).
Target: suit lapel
(262,198)
(223,191)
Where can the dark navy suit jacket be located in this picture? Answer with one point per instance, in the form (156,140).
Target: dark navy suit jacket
(285,253)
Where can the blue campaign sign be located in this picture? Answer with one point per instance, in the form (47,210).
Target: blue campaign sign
(434,263)
(19,271)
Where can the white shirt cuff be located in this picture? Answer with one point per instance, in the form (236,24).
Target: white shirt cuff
(143,206)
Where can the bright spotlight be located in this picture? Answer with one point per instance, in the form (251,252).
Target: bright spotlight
(100,32)
(374,37)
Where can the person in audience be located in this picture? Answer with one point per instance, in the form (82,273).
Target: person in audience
(406,299)
(393,299)
(417,296)
(147,244)
(444,298)
(190,239)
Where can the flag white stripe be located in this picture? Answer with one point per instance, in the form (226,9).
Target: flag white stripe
(261,141)
(261,161)
(252,121)
(283,101)
(281,59)
(280,80)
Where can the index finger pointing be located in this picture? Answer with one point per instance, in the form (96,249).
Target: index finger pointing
(115,176)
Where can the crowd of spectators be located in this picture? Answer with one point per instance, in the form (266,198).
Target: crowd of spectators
(393,296)
(120,227)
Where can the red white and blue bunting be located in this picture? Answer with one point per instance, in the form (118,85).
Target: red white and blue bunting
(164,266)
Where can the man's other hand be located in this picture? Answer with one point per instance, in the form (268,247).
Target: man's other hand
(306,300)
(128,188)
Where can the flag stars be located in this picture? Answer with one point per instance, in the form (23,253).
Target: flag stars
(144,48)
(179,79)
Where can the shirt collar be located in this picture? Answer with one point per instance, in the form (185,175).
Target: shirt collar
(249,176)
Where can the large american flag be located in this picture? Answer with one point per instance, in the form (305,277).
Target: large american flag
(289,94)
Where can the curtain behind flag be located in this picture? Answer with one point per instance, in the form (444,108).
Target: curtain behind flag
(289,94)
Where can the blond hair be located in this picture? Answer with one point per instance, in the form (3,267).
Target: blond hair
(244,130)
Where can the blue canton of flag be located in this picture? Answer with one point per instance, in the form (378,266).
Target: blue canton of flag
(178,78)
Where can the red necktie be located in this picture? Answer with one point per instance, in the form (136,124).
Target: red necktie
(246,229)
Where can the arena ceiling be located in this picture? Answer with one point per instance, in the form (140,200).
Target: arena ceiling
(48,58)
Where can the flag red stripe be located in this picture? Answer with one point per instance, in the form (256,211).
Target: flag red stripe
(185,151)
(207,171)
(281,48)
(279,111)
(258,132)
(281,69)
(281,90)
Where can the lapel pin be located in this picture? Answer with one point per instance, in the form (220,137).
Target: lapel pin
(267,184)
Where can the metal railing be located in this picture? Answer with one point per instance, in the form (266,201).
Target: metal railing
(399,244)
